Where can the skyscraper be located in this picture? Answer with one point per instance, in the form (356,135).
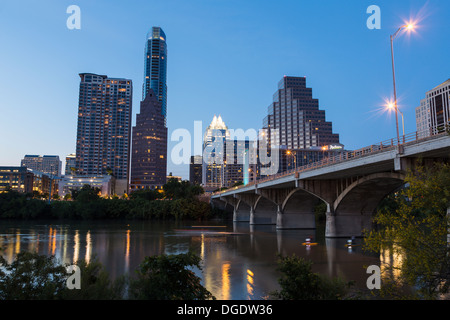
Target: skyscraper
(214,153)
(295,113)
(149,146)
(104,126)
(434,110)
(297,126)
(155,71)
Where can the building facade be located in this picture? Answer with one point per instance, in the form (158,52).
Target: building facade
(295,126)
(106,184)
(104,126)
(46,164)
(149,151)
(295,114)
(433,114)
(155,69)
(18,179)
(195,170)
(214,154)
(70,167)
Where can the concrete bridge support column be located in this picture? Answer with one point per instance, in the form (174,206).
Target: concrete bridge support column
(279,218)
(330,224)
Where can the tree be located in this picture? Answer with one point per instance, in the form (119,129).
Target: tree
(175,189)
(95,284)
(86,194)
(416,229)
(298,282)
(31,277)
(168,277)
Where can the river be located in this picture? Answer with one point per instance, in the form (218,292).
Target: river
(238,261)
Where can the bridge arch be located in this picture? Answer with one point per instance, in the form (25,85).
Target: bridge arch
(242,211)
(264,211)
(354,208)
(297,210)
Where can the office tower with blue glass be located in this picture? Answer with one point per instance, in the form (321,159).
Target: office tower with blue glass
(149,136)
(155,69)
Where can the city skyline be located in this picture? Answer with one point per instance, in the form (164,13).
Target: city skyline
(346,64)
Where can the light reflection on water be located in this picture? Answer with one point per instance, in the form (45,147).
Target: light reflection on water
(238,260)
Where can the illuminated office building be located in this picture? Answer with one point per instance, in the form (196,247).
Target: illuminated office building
(296,114)
(104,127)
(149,146)
(295,122)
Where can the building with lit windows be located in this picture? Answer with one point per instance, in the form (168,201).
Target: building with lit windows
(105,183)
(70,167)
(104,127)
(296,114)
(18,179)
(226,159)
(149,150)
(433,114)
(155,69)
(195,170)
(295,122)
(46,164)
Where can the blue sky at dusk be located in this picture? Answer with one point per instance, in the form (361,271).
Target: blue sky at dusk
(224,57)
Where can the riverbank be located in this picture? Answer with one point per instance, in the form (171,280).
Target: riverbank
(19,206)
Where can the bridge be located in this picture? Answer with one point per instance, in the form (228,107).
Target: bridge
(351,184)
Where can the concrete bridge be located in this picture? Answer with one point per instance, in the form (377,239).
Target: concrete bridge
(352,185)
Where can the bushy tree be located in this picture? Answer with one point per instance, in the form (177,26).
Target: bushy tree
(31,277)
(415,227)
(298,282)
(169,277)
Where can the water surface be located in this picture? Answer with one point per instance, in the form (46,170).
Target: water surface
(239,261)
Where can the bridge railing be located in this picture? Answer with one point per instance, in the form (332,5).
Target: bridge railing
(343,156)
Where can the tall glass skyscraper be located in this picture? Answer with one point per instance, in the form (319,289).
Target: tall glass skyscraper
(149,135)
(155,71)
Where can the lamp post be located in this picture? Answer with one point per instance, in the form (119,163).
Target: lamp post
(289,152)
(408,27)
(392,107)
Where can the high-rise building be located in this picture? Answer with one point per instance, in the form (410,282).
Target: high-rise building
(214,153)
(227,159)
(104,126)
(195,170)
(155,72)
(71,166)
(149,146)
(45,164)
(434,111)
(296,126)
(423,119)
(297,117)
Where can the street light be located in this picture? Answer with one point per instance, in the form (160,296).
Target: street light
(391,106)
(409,27)
(289,152)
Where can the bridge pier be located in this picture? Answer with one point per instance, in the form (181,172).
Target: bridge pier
(347,225)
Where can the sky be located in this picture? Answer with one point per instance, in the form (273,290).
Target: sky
(225,57)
